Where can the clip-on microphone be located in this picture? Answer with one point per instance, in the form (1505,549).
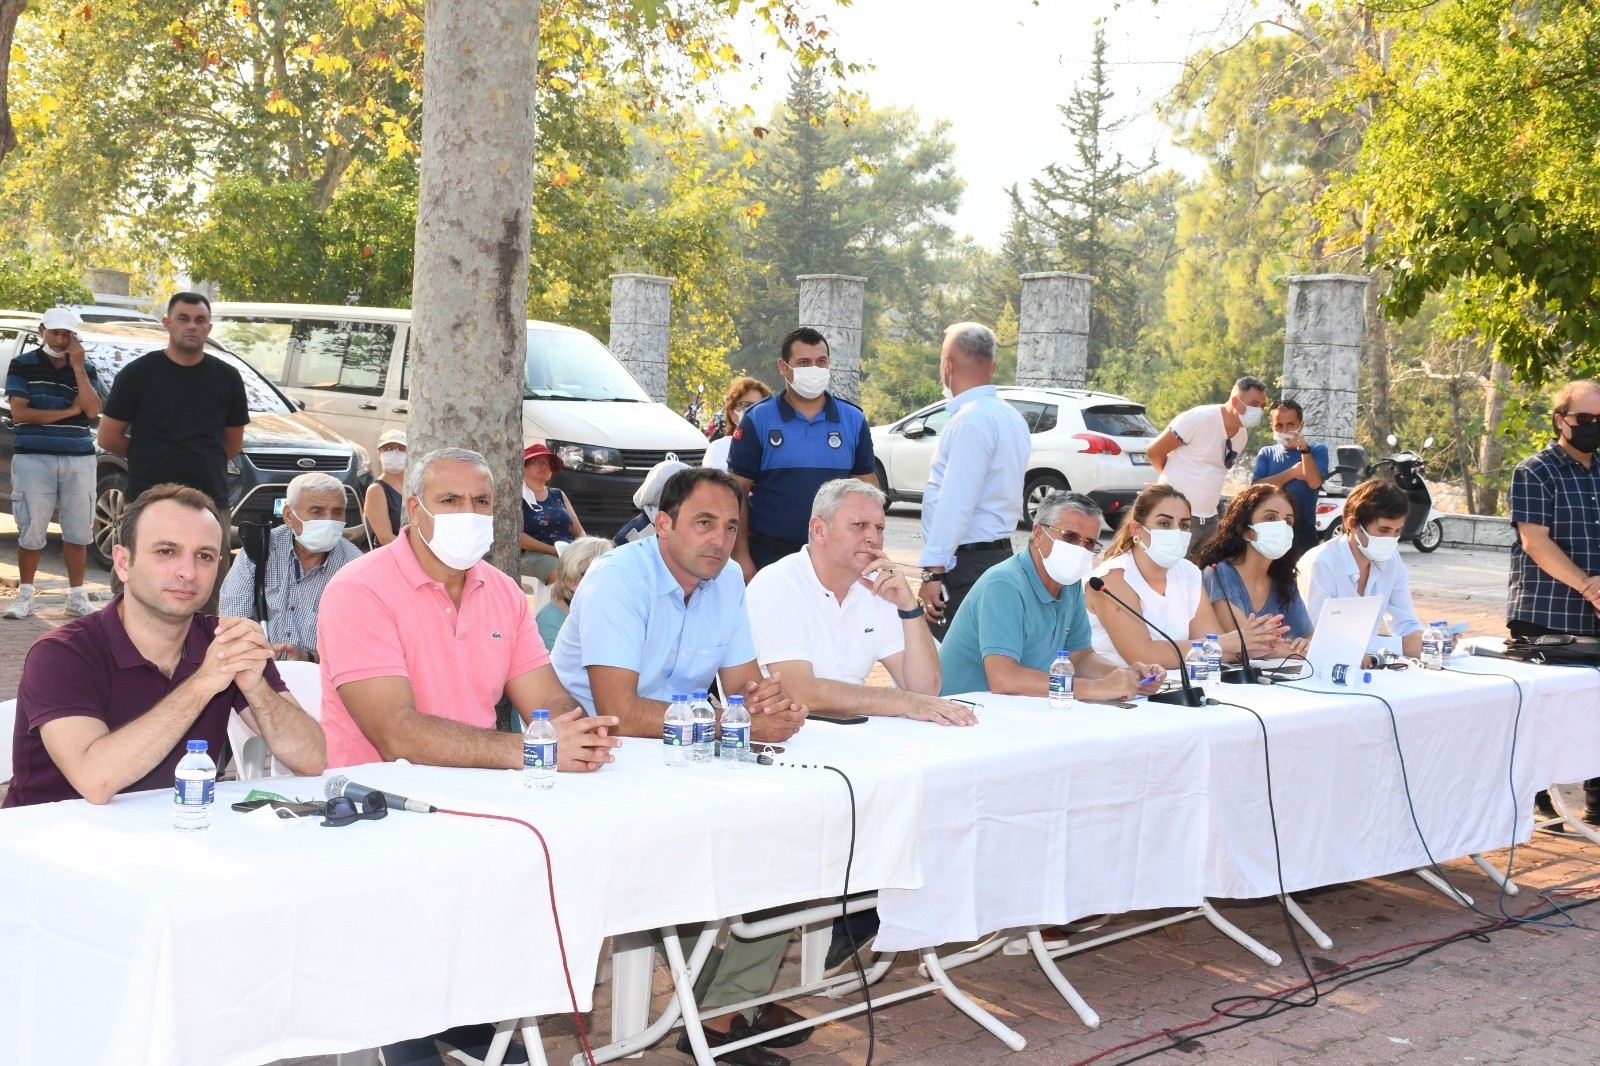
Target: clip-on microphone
(1188,695)
(1244,673)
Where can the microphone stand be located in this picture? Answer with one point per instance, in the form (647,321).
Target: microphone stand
(1188,695)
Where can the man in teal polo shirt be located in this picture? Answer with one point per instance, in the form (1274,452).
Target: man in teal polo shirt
(1024,610)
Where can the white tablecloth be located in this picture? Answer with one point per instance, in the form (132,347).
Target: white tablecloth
(126,942)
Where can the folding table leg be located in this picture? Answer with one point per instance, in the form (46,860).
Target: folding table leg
(1239,936)
(1574,823)
(633,964)
(1012,1040)
(683,983)
(652,1034)
(815,939)
(1304,921)
(1492,872)
(1443,886)
(1041,954)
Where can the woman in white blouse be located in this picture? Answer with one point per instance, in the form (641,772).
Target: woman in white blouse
(1145,567)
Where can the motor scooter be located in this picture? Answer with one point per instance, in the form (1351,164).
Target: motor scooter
(1350,467)
(1406,469)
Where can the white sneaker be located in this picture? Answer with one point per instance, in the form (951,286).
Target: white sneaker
(78,603)
(22,606)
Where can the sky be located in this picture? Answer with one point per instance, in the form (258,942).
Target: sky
(997,70)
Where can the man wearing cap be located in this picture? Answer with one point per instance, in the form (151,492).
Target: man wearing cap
(381,507)
(303,554)
(54,395)
(549,521)
(785,449)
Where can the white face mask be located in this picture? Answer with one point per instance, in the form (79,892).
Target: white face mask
(393,462)
(809,381)
(945,389)
(1067,564)
(1250,417)
(1379,549)
(1283,439)
(1167,547)
(460,540)
(1273,539)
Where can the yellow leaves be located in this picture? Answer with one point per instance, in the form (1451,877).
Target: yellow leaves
(330,64)
(278,104)
(47,105)
(749,158)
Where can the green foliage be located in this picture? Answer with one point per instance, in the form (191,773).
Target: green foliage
(904,376)
(29,282)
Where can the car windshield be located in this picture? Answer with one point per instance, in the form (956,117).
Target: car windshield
(564,365)
(109,357)
(1122,420)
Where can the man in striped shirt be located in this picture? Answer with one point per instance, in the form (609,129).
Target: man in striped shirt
(54,395)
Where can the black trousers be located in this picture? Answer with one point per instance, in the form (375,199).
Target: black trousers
(1591,787)
(764,551)
(972,562)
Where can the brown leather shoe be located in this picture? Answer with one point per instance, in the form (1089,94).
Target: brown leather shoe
(754,1055)
(770,1016)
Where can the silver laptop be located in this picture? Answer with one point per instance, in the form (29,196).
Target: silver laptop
(1344,630)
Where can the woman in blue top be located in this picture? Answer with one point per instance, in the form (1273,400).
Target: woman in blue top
(1250,563)
(548,519)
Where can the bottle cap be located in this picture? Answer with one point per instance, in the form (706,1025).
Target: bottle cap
(541,714)
(1063,654)
(1211,636)
(699,693)
(197,745)
(736,699)
(680,698)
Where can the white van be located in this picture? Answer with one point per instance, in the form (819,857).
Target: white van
(348,367)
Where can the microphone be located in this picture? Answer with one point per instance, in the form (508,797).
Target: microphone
(1244,673)
(343,786)
(1188,695)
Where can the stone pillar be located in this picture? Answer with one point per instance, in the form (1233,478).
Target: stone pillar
(831,304)
(1053,330)
(1322,353)
(104,281)
(641,316)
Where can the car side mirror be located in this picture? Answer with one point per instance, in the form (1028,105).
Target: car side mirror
(1392,441)
(916,429)
(1428,443)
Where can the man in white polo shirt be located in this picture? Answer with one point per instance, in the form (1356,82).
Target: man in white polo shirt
(824,616)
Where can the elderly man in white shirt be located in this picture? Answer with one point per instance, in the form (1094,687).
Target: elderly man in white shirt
(1365,561)
(825,615)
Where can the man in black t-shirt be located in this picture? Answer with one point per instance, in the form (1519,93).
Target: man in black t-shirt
(178,414)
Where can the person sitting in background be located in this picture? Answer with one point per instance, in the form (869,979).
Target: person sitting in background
(381,507)
(570,568)
(1025,609)
(742,395)
(1249,565)
(1365,561)
(549,522)
(108,702)
(303,554)
(647,497)
(1146,569)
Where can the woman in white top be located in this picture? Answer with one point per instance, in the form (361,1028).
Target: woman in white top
(742,395)
(1145,568)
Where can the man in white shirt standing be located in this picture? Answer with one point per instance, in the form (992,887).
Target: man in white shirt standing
(973,499)
(1195,452)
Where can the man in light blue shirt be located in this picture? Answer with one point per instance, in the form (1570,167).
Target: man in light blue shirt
(666,615)
(973,499)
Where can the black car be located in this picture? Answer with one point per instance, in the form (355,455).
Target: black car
(279,443)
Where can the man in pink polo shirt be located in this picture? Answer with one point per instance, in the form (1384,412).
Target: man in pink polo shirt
(420,639)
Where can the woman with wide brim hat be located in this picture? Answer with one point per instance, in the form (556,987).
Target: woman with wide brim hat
(549,522)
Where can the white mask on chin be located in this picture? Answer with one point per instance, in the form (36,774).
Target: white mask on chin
(1273,539)
(460,540)
(1167,547)
(1379,549)
(1067,564)
(809,381)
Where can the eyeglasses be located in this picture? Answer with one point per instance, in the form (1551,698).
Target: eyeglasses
(342,811)
(1581,419)
(1090,546)
(743,406)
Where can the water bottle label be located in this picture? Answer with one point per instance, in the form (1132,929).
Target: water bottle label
(538,754)
(194,792)
(676,735)
(705,732)
(1060,685)
(1198,671)
(736,738)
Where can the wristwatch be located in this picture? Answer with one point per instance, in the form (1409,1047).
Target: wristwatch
(915,612)
(929,575)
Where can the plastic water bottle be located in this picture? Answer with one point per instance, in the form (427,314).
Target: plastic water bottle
(1195,662)
(1061,674)
(735,732)
(1213,648)
(539,752)
(705,727)
(195,786)
(1434,640)
(677,732)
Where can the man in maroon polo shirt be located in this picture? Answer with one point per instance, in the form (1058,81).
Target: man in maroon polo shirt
(108,701)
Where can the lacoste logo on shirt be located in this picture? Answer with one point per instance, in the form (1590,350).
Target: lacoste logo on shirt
(495,634)
(869,629)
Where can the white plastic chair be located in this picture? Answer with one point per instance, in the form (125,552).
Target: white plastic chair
(8,717)
(305,685)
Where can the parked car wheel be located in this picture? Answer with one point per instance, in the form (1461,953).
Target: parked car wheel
(1036,489)
(110,498)
(883,479)
(1430,538)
